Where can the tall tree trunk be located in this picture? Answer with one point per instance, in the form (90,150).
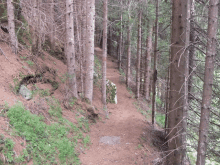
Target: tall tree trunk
(148,62)
(128,71)
(104,55)
(83,38)
(90,8)
(208,81)
(70,48)
(155,65)
(11,26)
(178,102)
(52,27)
(138,62)
(121,38)
(192,47)
(39,26)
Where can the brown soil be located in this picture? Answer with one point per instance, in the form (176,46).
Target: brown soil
(125,122)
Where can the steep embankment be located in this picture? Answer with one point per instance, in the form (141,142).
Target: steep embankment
(124,122)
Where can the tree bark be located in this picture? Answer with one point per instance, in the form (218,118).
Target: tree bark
(52,27)
(138,62)
(208,81)
(178,101)
(70,48)
(128,71)
(121,38)
(104,55)
(148,62)
(192,47)
(11,26)
(155,65)
(90,20)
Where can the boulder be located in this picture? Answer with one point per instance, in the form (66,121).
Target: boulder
(25,92)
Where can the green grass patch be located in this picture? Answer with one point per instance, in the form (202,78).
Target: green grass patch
(46,144)
(6,148)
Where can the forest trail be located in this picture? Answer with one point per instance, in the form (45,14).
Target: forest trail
(124,122)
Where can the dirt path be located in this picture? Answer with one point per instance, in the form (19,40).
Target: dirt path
(124,122)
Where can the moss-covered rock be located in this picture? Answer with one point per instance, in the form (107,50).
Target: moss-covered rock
(111,92)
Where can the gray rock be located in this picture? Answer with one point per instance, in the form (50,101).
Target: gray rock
(25,92)
(110,140)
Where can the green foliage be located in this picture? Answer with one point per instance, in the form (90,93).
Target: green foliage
(3,9)
(30,62)
(23,57)
(45,143)
(97,71)
(83,124)
(160,119)
(64,78)
(72,101)
(14,88)
(6,147)
(44,92)
(86,140)
(55,108)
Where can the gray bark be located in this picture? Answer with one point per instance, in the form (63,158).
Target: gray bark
(70,48)
(90,28)
(11,26)
(208,81)
(104,55)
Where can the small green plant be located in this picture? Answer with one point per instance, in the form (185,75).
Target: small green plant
(15,87)
(23,57)
(64,78)
(160,118)
(72,101)
(44,92)
(139,146)
(86,140)
(55,108)
(6,147)
(130,92)
(83,124)
(30,63)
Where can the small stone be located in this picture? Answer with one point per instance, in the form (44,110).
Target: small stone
(110,140)
(25,92)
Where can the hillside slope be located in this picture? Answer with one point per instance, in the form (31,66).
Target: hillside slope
(130,127)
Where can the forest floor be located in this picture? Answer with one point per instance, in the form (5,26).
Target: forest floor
(130,127)
(132,134)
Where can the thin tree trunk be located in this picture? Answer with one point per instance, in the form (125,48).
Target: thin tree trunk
(52,27)
(208,81)
(148,62)
(121,36)
(70,48)
(192,47)
(39,27)
(155,65)
(104,55)
(138,57)
(128,72)
(83,38)
(11,26)
(90,8)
